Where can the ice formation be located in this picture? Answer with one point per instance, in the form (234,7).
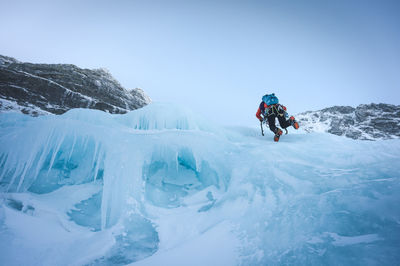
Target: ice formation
(161,186)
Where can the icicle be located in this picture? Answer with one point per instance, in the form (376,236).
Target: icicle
(4,166)
(197,162)
(28,165)
(43,156)
(105,200)
(177,161)
(72,147)
(17,172)
(85,143)
(53,157)
(99,160)
(11,163)
(96,147)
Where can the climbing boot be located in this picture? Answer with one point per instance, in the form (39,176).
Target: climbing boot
(294,123)
(278,133)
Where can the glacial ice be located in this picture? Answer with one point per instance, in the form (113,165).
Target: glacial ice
(162,186)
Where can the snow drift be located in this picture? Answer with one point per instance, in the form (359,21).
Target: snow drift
(159,185)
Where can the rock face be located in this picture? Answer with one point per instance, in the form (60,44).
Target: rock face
(366,122)
(55,88)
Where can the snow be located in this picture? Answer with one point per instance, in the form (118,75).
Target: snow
(162,186)
(353,240)
(366,122)
(214,242)
(14,107)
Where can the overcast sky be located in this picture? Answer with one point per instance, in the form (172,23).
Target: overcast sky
(219,57)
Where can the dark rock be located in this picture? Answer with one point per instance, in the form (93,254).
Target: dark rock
(56,88)
(339,109)
(367,121)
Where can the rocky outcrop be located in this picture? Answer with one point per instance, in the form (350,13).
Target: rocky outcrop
(366,122)
(55,88)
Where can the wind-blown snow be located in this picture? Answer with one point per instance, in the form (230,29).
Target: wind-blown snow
(161,186)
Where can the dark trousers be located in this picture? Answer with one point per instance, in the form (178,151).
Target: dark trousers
(282,122)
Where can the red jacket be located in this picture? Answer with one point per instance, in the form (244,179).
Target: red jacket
(261,110)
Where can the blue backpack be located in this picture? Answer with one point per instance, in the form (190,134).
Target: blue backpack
(270,99)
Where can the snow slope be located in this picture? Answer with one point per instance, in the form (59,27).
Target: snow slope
(161,186)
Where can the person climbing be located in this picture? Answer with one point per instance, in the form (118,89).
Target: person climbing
(270,109)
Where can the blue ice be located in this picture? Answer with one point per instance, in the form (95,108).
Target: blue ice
(137,188)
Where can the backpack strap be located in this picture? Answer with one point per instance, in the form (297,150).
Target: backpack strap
(262,107)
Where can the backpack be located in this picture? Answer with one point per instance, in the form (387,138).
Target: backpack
(270,99)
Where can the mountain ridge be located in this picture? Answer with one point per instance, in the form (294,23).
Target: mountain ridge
(37,89)
(364,122)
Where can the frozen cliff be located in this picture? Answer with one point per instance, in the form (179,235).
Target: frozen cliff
(160,186)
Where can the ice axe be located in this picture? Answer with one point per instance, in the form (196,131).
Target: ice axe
(262,130)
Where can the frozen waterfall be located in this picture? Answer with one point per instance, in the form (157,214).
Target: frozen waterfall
(160,185)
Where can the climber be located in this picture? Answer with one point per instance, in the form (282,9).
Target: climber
(269,110)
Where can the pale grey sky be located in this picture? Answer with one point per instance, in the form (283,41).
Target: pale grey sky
(219,57)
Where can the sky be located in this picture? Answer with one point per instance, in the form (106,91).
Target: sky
(218,58)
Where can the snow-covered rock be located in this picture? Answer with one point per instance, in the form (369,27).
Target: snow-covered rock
(37,89)
(366,121)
